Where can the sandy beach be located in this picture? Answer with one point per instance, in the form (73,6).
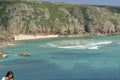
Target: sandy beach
(28,37)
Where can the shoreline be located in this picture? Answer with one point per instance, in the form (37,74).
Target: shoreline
(21,37)
(30,37)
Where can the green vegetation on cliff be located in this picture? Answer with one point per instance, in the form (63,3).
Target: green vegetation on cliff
(23,17)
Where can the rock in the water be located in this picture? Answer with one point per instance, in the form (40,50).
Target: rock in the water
(24,54)
(2,53)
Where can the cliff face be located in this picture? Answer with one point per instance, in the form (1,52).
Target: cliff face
(6,39)
(18,17)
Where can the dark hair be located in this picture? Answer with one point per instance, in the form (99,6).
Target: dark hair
(9,73)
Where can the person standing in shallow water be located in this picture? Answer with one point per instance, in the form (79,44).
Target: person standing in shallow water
(9,76)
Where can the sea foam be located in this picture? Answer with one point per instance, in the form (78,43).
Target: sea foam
(77,44)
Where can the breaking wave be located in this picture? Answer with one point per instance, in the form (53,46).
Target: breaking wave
(77,44)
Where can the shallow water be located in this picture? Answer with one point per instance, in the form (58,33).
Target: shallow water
(91,58)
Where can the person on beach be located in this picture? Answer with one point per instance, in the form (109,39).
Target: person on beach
(9,76)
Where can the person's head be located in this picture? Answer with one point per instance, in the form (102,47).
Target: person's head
(10,75)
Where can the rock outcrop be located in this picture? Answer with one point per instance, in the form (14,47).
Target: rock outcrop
(20,17)
(5,39)
(24,54)
(2,54)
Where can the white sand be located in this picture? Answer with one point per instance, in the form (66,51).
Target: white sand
(28,37)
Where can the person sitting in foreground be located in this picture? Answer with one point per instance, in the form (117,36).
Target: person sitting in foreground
(9,76)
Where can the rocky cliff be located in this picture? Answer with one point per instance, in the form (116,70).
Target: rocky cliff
(20,17)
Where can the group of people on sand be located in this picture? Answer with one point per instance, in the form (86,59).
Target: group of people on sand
(9,76)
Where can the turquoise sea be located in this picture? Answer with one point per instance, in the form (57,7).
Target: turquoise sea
(90,58)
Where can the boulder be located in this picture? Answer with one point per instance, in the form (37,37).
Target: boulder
(2,54)
(24,54)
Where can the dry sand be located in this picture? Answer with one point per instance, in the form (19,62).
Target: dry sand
(28,37)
